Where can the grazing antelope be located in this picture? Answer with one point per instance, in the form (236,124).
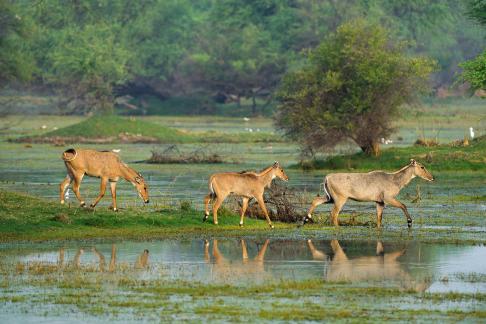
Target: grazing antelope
(245,184)
(378,186)
(106,165)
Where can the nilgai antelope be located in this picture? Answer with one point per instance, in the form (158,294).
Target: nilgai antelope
(378,186)
(245,184)
(101,164)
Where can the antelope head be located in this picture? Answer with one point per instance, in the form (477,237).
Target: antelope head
(279,172)
(142,188)
(420,171)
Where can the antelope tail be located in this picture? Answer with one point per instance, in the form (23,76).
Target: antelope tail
(326,191)
(212,193)
(69,155)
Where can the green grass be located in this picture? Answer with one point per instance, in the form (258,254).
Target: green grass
(113,128)
(24,217)
(112,125)
(437,158)
(27,218)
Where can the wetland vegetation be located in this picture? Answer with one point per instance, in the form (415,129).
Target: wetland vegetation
(156,81)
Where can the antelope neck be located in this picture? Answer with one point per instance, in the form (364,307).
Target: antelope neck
(404,176)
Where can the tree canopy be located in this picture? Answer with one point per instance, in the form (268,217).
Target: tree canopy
(91,51)
(351,89)
(475,69)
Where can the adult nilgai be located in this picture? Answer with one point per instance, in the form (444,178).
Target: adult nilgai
(378,186)
(106,165)
(245,184)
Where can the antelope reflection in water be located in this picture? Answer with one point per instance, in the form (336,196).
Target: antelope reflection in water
(224,269)
(141,262)
(380,267)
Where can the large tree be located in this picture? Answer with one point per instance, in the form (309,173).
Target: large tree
(350,89)
(475,69)
(16,62)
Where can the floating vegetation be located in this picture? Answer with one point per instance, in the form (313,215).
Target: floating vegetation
(171,154)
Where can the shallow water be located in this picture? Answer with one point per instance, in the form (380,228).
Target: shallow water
(22,170)
(412,266)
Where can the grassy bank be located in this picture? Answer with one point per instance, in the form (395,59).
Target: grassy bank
(116,129)
(436,158)
(28,218)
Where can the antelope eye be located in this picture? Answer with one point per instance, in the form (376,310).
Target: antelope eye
(423,167)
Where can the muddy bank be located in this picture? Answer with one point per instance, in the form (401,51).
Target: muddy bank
(63,140)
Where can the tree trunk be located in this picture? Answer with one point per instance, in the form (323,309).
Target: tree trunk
(253,105)
(372,149)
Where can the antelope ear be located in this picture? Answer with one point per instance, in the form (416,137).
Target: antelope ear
(413,162)
(275,164)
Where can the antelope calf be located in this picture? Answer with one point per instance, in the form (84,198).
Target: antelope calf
(100,164)
(244,184)
(378,186)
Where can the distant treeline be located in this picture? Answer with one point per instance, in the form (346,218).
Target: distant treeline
(92,52)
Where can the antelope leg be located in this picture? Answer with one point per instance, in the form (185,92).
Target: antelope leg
(379,213)
(104,181)
(338,205)
(76,185)
(207,199)
(395,203)
(264,208)
(113,195)
(243,209)
(63,186)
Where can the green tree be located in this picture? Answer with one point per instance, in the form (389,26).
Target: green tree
(474,71)
(16,63)
(350,89)
(80,50)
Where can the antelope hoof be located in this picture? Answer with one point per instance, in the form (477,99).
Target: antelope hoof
(241,224)
(82,204)
(205,218)
(309,219)
(115,209)
(62,202)
(215,223)
(409,223)
(92,205)
(271,226)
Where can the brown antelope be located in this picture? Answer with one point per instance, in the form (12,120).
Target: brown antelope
(378,186)
(245,184)
(382,266)
(106,165)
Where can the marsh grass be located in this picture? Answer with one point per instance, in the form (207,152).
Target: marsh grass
(124,296)
(438,158)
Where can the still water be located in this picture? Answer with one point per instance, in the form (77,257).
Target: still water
(413,265)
